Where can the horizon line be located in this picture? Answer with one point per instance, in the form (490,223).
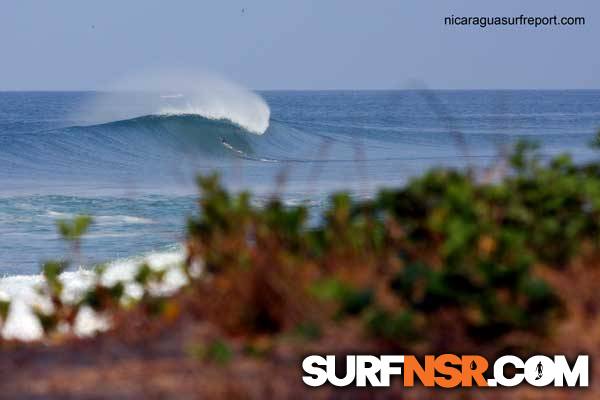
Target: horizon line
(315,90)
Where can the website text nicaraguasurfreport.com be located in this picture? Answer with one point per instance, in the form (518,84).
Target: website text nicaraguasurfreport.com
(517,20)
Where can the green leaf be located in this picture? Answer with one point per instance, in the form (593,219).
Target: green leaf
(73,229)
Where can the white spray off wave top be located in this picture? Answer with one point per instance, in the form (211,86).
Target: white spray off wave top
(179,93)
(236,105)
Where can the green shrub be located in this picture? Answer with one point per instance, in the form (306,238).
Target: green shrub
(447,243)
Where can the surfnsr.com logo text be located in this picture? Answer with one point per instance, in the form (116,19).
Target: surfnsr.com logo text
(446,371)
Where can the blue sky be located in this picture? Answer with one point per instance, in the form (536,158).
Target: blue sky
(308,44)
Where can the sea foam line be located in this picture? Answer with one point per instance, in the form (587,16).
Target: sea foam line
(22,291)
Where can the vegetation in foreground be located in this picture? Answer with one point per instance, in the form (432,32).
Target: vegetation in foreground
(448,263)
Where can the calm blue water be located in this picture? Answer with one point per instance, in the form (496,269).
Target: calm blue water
(125,160)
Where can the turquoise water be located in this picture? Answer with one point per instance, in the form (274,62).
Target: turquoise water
(129,159)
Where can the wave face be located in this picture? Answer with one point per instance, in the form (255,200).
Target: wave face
(148,137)
(142,147)
(135,136)
(150,131)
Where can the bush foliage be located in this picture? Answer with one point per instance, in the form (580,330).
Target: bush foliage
(447,246)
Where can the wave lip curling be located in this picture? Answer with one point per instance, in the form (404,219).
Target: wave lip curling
(178,93)
(243,108)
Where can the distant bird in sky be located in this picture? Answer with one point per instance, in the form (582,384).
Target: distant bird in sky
(93,26)
(243,10)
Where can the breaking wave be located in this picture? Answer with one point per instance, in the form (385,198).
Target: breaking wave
(179,94)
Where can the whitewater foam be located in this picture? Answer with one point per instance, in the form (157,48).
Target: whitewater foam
(105,219)
(22,291)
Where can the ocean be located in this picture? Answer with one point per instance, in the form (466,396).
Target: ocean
(129,158)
